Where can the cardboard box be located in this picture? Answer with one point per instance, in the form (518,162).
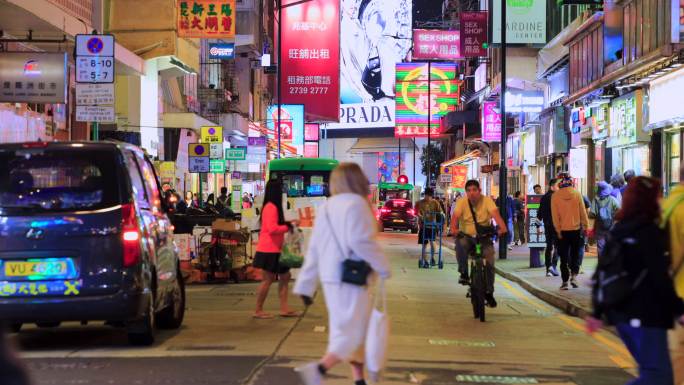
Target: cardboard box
(225,225)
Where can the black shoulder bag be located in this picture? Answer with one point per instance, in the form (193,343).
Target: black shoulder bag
(353,272)
(482,231)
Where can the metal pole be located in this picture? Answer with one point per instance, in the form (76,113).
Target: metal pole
(429,166)
(414,162)
(96,131)
(400,156)
(503,193)
(280,65)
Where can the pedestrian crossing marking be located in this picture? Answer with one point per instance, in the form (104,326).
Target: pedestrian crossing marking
(480,379)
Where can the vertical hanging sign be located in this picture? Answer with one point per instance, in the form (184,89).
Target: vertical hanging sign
(310,71)
(474,34)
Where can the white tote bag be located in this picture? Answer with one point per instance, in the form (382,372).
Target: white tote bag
(377,335)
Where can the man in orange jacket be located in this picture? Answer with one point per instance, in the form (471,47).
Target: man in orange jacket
(569,219)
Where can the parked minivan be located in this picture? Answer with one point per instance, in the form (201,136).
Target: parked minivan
(84,236)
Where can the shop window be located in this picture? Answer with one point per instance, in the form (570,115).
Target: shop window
(674,155)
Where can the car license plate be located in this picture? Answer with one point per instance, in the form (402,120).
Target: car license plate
(398,221)
(47,269)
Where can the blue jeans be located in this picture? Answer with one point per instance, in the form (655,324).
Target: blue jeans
(509,236)
(650,350)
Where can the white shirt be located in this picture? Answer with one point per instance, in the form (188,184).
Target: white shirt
(355,226)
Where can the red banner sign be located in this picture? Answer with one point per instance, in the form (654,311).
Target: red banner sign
(474,34)
(436,44)
(206,18)
(460,176)
(311,59)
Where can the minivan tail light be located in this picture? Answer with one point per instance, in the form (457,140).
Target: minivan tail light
(411,212)
(35,145)
(131,235)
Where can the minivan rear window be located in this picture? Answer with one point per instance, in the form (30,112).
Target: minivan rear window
(58,180)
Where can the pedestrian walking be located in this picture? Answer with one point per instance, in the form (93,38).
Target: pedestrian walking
(544,214)
(618,182)
(222,199)
(627,175)
(603,211)
(645,308)
(428,210)
(569,220)
(510,211)
(584,241)
(345,229)
(537,189)
(269,247)
(673,223)
(519,218)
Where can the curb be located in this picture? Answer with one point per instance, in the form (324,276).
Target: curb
(568,306)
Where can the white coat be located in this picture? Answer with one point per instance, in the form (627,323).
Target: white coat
(349,306)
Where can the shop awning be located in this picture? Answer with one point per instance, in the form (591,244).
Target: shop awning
(370,145)
(555,54)
(674,122)
(184,120)
(461,159)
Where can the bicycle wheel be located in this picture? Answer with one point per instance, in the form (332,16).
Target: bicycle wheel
(478,292)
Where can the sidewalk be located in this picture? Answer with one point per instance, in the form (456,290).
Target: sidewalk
(575,302)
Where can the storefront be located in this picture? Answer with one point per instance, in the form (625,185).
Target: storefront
(628,142)
(588,133)
(552,142)
(666,122)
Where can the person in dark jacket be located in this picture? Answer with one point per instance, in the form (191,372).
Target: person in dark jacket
(519,218)
(544,215)
(642,320)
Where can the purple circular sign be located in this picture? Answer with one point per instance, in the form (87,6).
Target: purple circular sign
(199,150)
(212,131)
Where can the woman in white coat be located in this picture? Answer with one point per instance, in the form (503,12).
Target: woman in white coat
(345,228)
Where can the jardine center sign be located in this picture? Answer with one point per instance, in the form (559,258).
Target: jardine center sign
(525,22)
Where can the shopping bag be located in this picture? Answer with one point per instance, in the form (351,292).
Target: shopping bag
(377,335)
(292,255)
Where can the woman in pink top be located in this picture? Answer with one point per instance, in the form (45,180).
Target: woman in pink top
(267,257)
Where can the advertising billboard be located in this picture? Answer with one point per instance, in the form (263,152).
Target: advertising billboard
(434,44)
(311,58)
(291,122)
(375,35)
(474,33)
(414,102)
(525,22)
(491,122)
(33,77)
(208,19)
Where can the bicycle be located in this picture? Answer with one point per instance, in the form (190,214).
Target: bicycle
(478,277)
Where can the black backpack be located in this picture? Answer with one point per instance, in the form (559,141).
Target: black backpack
(613,284)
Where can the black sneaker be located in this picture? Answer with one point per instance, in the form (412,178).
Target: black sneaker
(432,262)
(463,280)
(491,302)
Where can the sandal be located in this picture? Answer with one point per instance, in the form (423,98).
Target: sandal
(290,314)
(262,316)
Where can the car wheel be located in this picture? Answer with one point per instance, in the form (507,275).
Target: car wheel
(141,332)
(15,327)
(172,316)
(48,324)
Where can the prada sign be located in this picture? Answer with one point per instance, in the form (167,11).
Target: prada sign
(364,115)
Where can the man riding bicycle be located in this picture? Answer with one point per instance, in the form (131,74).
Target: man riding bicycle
(485,210)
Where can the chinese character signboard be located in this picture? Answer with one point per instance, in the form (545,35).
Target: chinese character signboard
(414,102)
(311,132)
(33,77)
(239,153)
(211,134)
(206,18)
(626,120)
(535,228)
(436,44)
(198,157)
(491,122)
(474,34)
(311,58)
(217,166)
(311,150)
(460,177)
